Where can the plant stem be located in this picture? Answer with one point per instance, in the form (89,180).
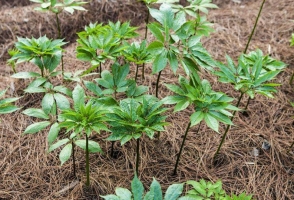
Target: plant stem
(112,149)
(138,157)
(181,149)
(291,79)
(146,31)
(248,101)
(137,73)
(58,26)
(157,82)
(227,128)
(100,68)
(252,32)
(87,162)
(73,159)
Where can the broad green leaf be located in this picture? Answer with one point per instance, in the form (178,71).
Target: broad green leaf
(156,32)
(36,127)
(159,63)
(156,189)
(196,118)
(78,96)
(137,188)
(93,146)
(173,192)
(110,197)
(34,112)
(65,153)
(61,101)
(53,133)
(123,194)
(155,47)
(47,103)
(25,75)
(211,122)
(8,109)
(58,144)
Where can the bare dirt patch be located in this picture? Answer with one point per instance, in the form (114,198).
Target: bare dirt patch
(28,172)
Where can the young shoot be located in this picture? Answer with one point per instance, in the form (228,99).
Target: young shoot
(6,104)
(133,118)
(209,106)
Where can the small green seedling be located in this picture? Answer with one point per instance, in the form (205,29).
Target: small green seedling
(44,53)
(57,6)
(137,192)
(175,43)
(138,54)
(209,106)
(6,105)
(251,76)
(133,118)
(99,43)
(81,121)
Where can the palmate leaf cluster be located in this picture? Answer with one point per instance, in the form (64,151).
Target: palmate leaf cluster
(210,106)
(115,82)
(252,73)
(137,53)
(56,6)
(99,43)
(176,43)
(202,190)
(43,52)
(82,119)
(133,118)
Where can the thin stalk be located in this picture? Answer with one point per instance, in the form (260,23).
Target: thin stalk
(136,76)
(291,79)
(228,127)
(182,145)
(112,149)
(138,157)
(100,69)
(252,32)
(73,159)
(87,162)
(157,83)
(248,101)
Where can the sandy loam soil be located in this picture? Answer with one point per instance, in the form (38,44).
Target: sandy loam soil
(27,171)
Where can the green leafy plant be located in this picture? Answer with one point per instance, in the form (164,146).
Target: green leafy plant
(44,53)
(209,106)
(137,192)
(81,121)
(175,43)
(138,54)
(202,190)
(251,76)
(99,43)
(6,104)
(57,6)
(133,118)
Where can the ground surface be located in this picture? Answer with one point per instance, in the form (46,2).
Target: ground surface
(28,172)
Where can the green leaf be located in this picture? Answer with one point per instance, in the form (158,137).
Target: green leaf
(211,122)
(123,194)
(159,63)
(173,191)
(58,144)
(53,133)
(34,112)
(156,32)
(47,103)
(196,118)
(25,75)
(78,96)
(156,190)
(155,47)
(36,127)
(93,146)
(137,188)
(65,153)
(61,101)
(8,109)
(110,197)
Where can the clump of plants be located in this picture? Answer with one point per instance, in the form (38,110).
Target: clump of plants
(200,191)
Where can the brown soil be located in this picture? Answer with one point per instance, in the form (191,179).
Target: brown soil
(27,171)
